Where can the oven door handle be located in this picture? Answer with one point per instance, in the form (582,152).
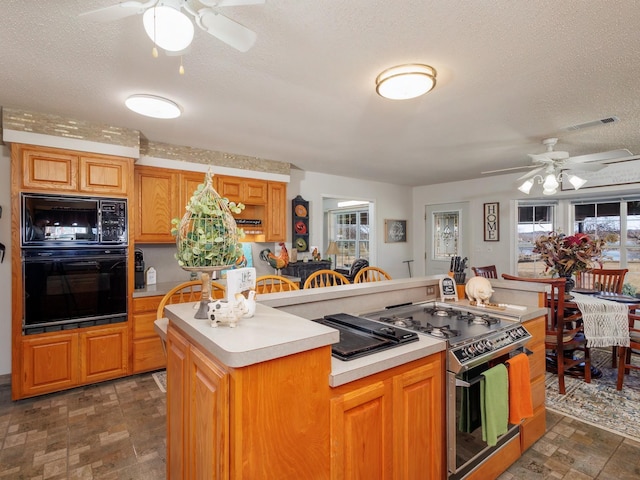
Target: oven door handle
(513,353)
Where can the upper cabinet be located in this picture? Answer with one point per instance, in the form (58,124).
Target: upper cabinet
(52,169)
(162,194)
(246,190)
(156,203)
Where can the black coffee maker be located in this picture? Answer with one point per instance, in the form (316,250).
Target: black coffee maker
(139,269)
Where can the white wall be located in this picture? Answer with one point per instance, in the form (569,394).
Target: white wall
(391,202)
(501,189)
(5,267)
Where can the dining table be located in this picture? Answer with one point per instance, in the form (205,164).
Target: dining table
(605,319)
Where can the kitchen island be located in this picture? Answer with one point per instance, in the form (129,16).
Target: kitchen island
(267,400)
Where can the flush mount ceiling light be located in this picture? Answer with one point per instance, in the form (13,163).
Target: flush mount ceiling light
(406,81)
(153,106)
(168,27)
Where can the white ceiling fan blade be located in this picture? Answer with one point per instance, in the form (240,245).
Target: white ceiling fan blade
(117,11)
(231,3)
(507,169)
(229,31)
(602,156)
(583,167)
(532,173)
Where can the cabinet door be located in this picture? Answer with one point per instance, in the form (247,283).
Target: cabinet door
(156,204)
(255,192)
(230,188)
(49,170)
(276,212)
(361,433)
(177,401)
(103,353)
(49,363)
(208,419)
(189,181)
(418,425)
(101,175)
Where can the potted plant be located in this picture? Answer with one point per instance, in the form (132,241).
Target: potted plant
(207,237)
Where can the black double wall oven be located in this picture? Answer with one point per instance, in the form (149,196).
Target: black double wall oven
(74,262)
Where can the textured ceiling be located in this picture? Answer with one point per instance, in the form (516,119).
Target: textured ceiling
(510,73)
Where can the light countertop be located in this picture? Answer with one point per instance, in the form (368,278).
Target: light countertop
(272,333)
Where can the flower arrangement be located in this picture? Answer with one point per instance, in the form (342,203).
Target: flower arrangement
(564,255)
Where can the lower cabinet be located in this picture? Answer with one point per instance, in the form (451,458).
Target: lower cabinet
(57,361)
(148,353)
(198,426)
(379,423)
(262,421)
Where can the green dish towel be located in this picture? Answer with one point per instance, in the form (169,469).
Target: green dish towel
(494,403)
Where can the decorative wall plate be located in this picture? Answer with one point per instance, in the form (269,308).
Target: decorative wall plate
(301,244)
(301,227)
(301,211)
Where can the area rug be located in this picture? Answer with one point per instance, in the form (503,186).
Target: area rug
(161,380)
(599,403)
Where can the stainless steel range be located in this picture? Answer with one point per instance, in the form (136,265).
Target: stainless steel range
(477,339)
(473,337)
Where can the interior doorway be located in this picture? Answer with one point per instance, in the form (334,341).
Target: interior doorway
(445,235)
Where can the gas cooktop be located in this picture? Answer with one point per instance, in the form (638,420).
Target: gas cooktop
(454,324)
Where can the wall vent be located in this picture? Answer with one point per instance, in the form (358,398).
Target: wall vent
(595,123)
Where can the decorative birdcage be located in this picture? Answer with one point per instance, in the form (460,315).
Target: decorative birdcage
(207,237)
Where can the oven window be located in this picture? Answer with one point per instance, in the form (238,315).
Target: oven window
(73,292)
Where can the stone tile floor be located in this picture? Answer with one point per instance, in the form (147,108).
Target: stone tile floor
(116,430)
(112,430)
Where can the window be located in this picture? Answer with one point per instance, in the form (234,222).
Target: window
(533,220)
(350,228)
(617,222)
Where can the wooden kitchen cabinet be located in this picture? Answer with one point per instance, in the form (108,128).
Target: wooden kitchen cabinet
(49,363)
(104,176)
(45,169)
(198,437)
(276,228)
(104,353)
(148,353)
(156,194)
(53,169)
(162,194)
(259,421)
(58,361)
(249,191)
(378,424)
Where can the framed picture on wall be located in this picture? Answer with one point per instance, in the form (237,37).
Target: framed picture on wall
(395,231)
(491,222)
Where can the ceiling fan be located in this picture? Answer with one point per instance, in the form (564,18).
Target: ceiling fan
(205,13)
(552,164)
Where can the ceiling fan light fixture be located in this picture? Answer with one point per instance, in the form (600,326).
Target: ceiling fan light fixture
(550,184)
(406,81)
(526,187)
(168,28)
(576,181)
(153,106)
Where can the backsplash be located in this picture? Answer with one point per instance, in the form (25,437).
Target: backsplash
(161,257)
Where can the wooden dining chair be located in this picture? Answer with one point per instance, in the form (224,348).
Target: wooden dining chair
(371,274)
(563,335)
(325,278)
(625,354)
(602,279)
(183,293)
(275,283)
(487,272)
